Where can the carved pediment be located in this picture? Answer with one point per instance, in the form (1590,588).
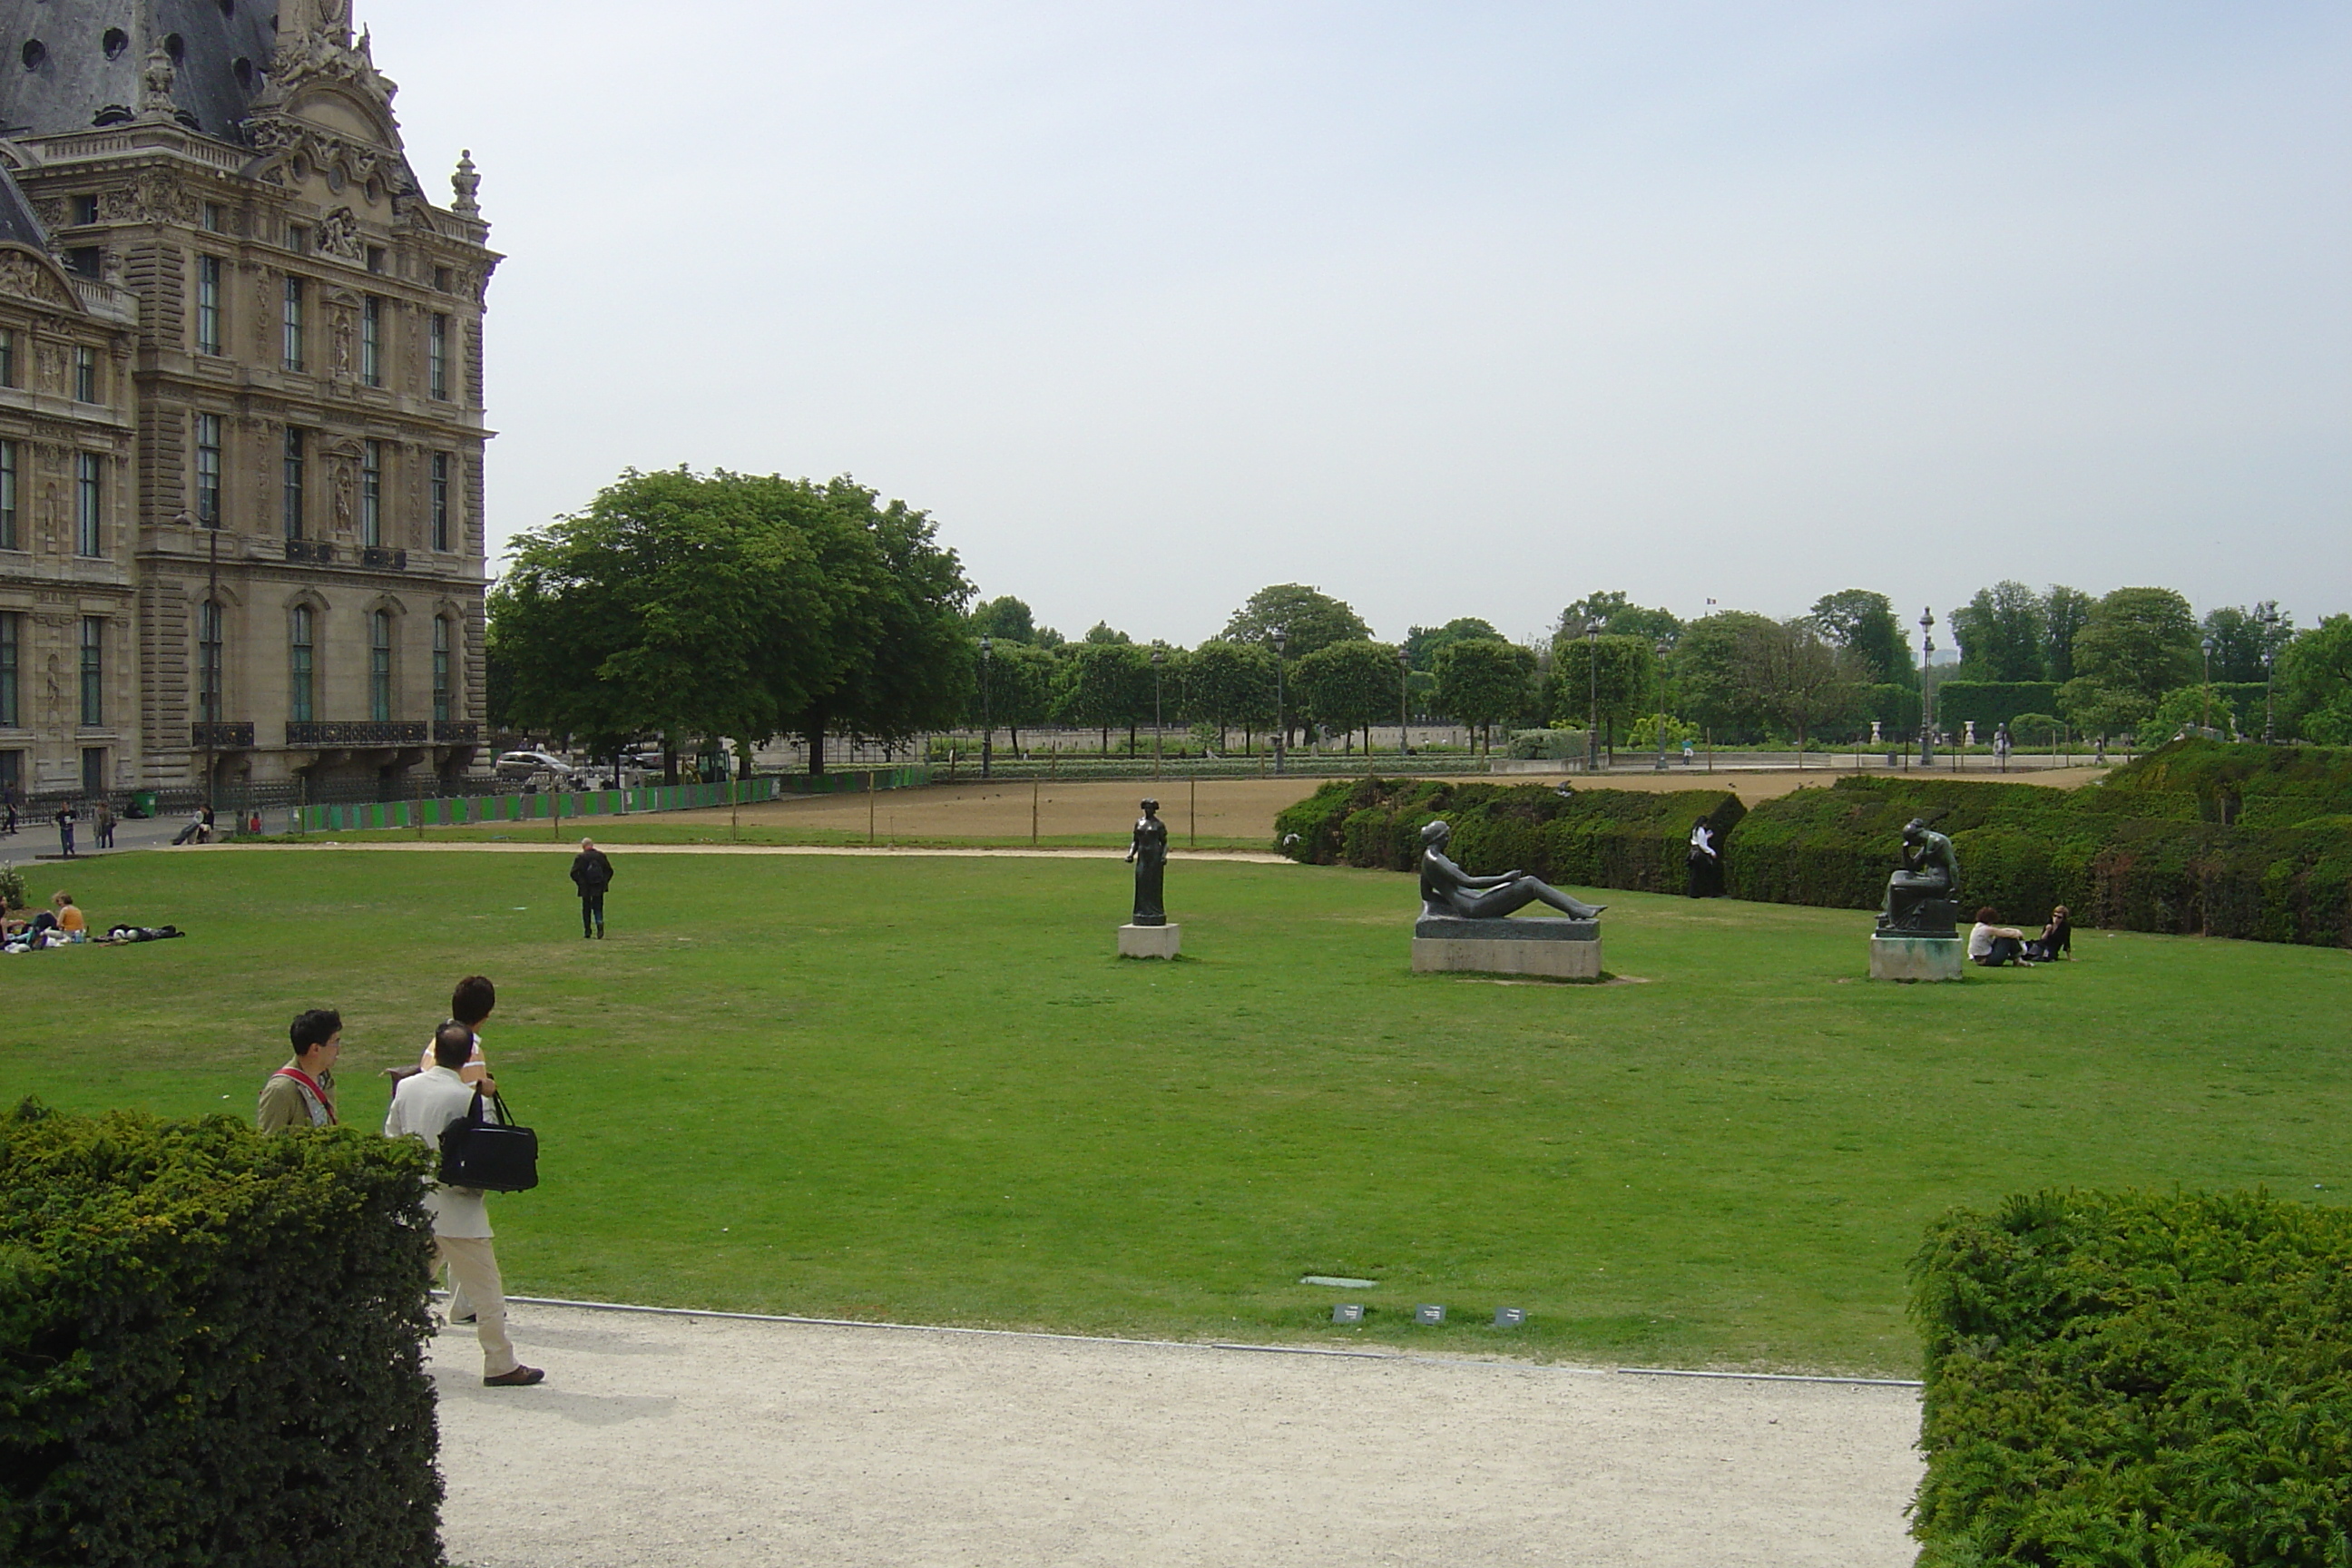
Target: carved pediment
(31,276)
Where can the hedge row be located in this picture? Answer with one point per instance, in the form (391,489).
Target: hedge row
(1990,703)
(2130,1379)
(1586,837)
(210,1347)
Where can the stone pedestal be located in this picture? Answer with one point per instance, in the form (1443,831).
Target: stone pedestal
(1897,956)
(1150,941)
(1549,947)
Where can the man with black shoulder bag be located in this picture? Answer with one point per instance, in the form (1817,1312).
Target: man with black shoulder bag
(425,1107)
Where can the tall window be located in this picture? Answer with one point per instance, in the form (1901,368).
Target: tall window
(440,501)
(208,470)
(208,304)
(215,218)
(436,357)
(85,373)
(440,670)
(380,666)
(371,341)
(93,672)
(300,653)
(292,486)
(372,494)
(208,661)
(8,356)
(292,324)
(9,496)
(12,662)
(87,498)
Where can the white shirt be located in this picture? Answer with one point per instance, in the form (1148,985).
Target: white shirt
(421,1108)
(1980,940)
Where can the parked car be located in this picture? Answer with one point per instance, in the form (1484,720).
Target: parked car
(523,764)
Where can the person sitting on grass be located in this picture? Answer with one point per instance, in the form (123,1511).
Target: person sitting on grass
(2056,941)
(1992,946)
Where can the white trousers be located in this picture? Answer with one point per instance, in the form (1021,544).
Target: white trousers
(474,1279)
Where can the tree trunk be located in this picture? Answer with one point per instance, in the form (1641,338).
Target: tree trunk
(669,764)
(815,736)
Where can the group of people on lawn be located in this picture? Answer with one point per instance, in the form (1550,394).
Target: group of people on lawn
(1991,946)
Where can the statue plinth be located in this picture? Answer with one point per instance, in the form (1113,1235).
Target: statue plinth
(1549,949)
(1912,956)
(1150,941)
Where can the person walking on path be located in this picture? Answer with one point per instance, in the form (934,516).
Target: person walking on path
(302,1092)
(11,829)
(423,1106)
(65,820)
(105,823)
(592,874)
(472,1001)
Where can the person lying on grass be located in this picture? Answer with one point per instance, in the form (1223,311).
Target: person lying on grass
(1992,946)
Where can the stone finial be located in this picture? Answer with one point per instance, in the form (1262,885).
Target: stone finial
(155,79)
(464,182)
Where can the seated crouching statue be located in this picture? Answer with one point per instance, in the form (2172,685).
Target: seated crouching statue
(1923,896)
(1448,892)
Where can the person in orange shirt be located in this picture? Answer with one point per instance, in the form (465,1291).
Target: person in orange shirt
(70,920)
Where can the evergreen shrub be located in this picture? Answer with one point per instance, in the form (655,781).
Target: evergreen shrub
(2133,1379)
(210,1346)
(1990,703)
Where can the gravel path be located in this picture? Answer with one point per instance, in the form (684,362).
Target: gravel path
(696,1442)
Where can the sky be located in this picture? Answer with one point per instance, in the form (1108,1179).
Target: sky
(1460,310)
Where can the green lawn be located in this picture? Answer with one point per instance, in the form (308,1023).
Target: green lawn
(922,1089)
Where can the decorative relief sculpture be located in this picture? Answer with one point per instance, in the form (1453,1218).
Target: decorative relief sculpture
(338,235)
(1147,851)
(1448,892)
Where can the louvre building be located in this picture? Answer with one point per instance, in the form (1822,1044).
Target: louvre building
(240,412)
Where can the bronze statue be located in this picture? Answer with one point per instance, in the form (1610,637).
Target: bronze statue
(1147,851)
(1923,897)
(1447,892)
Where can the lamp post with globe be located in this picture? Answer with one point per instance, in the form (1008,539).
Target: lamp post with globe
(1926,711)
(1281,726)
(1159,661)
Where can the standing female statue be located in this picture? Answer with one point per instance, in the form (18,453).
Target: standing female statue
(1147,851)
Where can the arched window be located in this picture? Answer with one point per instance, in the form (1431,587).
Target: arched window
(209,651)
(299,667)
(380,666)
(441,670)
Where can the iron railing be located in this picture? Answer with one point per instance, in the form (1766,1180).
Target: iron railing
(357,733)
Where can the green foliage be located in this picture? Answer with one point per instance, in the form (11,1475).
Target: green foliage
(1643,736)
(1555,744)
(1480,681)
(1864,624)
(2314,683)
(212,1346)
(1229,684)
(1350,685)
(1990,702)
(1614,614)
(1896,709)
(1103,686)
(2244,638)
(1308,620)
(1021,688)
(2137,644)
(1707,676)
(2130,1378)
(2001,632)
(1423,644)
(2064,612)
(1102,632)
(1616,674)
(1635,839)
(1005,618)
(2033,729)
(12,888)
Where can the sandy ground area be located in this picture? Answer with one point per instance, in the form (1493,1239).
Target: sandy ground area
(700,1442)
(1218,808)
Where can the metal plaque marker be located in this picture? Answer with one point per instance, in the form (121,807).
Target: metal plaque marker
(1338,1282)
(1429,1316)
(1347,1312)
(1511,1317)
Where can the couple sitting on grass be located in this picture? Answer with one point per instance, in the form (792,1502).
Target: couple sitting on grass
(56,926)
(1992,946)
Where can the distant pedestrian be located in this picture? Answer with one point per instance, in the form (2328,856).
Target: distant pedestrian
(187,834)
(65,820)
(302,1092)
(105,823)
(11,804)
(423,1106)
(472,1002)
(1706,862)
(592,874)
(205,816)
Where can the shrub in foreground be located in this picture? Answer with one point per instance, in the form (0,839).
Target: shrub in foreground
(210,1346)
(2125,1379)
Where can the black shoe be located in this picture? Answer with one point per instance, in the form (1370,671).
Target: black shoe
(520,1377)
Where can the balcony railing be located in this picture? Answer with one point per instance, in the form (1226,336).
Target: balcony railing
(221,736)
(317,551)
(357,733)
(456,732)
(383,558)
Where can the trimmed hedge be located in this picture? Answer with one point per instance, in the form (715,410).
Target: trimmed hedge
(210,1346)
(2132,1379)
(1990,703)
(1586,837)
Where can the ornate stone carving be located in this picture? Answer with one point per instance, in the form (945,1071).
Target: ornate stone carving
(23,276)
(466,183)
(338,235)
(155,79)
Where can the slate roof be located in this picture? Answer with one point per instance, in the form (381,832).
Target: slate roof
(71,79)
(18,224)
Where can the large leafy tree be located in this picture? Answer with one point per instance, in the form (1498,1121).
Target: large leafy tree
(1707,676)
(1020,681)
(2314,683)
(2138,644)
(1228,684)
(1005,619)
(2064,612)
(1423,644)
(1309,619)
(1615,615)
(1480,681)
(2243,640)
(1350,685)
(1617,674)
(1791,674)
(1104,686)
(2002,632)
(1864,624)
(677,605)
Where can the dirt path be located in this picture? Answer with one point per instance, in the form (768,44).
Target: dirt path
(677,1442)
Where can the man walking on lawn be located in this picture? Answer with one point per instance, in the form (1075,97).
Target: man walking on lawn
(592,874)
(302,1092)
(423,1106)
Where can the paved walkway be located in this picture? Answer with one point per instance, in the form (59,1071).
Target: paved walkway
(678,1442)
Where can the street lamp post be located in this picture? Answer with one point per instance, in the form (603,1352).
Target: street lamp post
(1281,726)
(2207,722)
(1159,658)
(1404,700)
(1926,713)
(1661,766)
(987,725)
(2267,616)
(1592,695)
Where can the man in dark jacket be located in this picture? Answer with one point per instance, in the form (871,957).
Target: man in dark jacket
(592,874)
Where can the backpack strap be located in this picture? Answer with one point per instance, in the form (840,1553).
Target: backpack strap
(312,1092)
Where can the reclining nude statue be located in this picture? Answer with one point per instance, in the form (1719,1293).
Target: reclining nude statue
(1923,896)
(1447,892)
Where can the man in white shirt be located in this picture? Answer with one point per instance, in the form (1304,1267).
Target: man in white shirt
(421,1107)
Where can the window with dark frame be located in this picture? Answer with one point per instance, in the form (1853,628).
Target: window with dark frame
(89,498)
(9,496)
(372,494)
(208,304)
(300,650)
(441,500)
(214,219)
(436,358)
(93,672)
(380,666)
(441,670)
(208,470)
(292,325)
(12,657)
(8,356)
(371,341)
(85,373)
(208,661)
(290,485)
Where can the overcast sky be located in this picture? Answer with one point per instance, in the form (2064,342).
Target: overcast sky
(1463,309)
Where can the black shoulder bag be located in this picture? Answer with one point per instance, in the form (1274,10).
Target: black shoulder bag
(496,1156)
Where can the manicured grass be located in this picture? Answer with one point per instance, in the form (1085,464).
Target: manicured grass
(922,1089)
(666,828)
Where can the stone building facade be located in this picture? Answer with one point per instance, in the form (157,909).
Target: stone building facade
(241,438)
